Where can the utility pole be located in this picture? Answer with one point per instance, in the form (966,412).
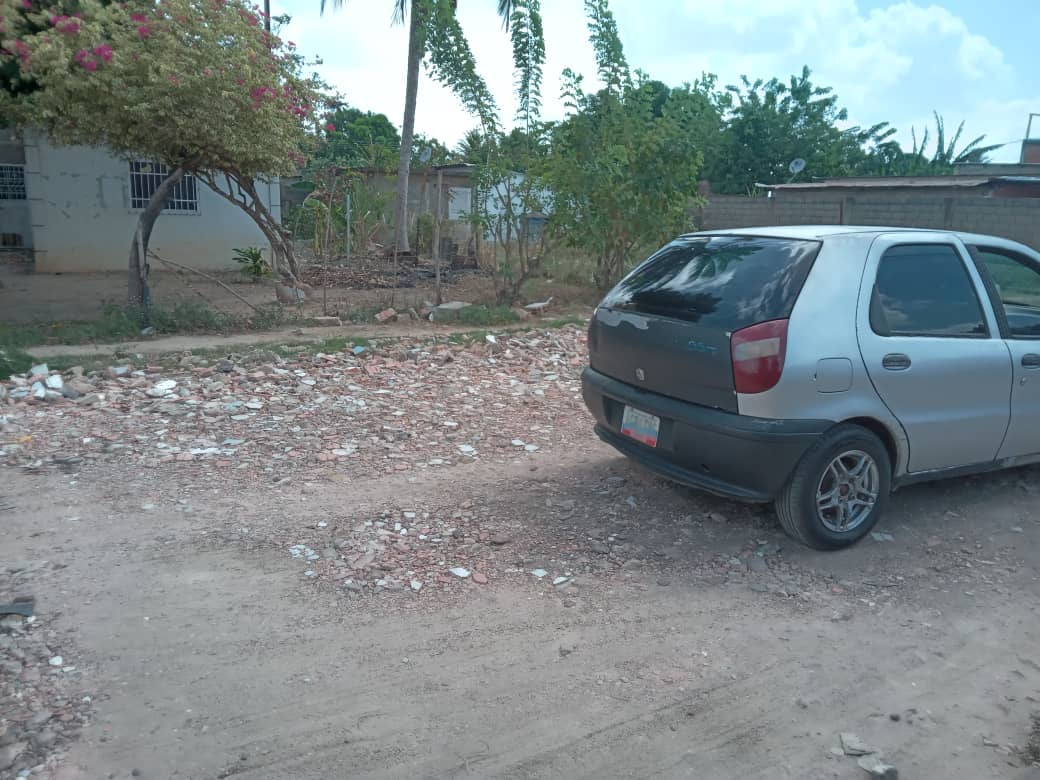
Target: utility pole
(267,16)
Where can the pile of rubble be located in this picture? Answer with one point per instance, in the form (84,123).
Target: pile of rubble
(366,410)
(43,703)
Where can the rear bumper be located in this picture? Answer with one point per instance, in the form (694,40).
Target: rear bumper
(732,455)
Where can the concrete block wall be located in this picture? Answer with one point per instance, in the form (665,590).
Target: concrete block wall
(943,209)
(725,211)
(79,201)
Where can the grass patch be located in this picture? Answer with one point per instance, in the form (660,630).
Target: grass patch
(363,314)
(13,361)
(487,315)
(122,323)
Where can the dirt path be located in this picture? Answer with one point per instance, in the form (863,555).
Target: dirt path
(292,335)
(214,656)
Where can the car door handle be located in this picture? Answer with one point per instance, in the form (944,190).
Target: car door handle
(895,361)
(1031,360)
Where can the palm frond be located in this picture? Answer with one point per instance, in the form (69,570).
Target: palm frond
(400,11)
(606,43)
(528,57)
(505,10)
(337,4)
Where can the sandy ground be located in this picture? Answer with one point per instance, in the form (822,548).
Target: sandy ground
(210,655)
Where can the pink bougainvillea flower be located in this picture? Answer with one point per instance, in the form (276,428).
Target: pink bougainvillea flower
(330,127)
(138,18)
(144,32)
(90,65)
(104,52)
(26,3)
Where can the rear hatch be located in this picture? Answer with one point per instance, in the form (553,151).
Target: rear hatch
(666,327)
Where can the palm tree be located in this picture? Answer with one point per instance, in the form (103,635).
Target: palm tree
(947,154)
(457,73)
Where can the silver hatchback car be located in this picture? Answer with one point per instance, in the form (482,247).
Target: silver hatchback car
(821,367)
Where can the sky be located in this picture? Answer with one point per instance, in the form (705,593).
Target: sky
(887,61)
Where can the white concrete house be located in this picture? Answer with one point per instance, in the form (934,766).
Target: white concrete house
(76,208)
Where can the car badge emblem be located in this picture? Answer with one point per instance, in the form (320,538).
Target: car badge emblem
(640,375)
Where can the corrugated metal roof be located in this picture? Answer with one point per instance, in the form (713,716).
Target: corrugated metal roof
(884,182)
(900,182)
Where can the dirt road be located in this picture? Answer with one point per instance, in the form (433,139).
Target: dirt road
(419,563)
(211,656)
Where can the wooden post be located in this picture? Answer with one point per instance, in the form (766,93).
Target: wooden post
(437,238)
(349,227)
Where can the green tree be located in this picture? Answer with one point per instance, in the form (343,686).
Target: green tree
(767,124)
(361,138)
(435,37)
(365,139)
(770,123)
(623,165)
(195,84)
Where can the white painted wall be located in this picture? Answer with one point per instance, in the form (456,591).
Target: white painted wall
(79,199)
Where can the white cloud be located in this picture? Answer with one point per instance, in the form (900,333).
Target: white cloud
(896,62)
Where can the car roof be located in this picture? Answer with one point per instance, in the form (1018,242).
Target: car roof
(810,231)
(819,232)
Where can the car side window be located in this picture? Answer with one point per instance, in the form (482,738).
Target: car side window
(925,290)
(1017,280)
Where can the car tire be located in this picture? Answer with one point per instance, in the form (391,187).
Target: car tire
(831,486)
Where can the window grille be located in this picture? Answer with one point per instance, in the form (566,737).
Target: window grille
(145,178)
(12,182)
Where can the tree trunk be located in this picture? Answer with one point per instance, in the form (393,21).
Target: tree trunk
(408,126)
(242,192)
(137,280)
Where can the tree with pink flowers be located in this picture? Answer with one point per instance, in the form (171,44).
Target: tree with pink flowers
(196,84)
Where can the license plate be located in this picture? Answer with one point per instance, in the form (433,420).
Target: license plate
(640,426)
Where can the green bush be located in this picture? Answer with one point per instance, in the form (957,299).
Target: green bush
(424,226)
(252,261)
(188,317)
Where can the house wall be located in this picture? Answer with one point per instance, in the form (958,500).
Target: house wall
(79,200)
(14,214)
(1016,218)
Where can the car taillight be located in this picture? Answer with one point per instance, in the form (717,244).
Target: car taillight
(758,356)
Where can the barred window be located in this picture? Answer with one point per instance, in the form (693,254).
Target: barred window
(145,178)
(12,182)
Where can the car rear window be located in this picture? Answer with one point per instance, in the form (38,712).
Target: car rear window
(726,281)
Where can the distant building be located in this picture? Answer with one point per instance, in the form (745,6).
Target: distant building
(75,209)
(998,200)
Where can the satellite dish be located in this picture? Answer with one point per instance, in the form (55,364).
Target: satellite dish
(797,166)
(425,155)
